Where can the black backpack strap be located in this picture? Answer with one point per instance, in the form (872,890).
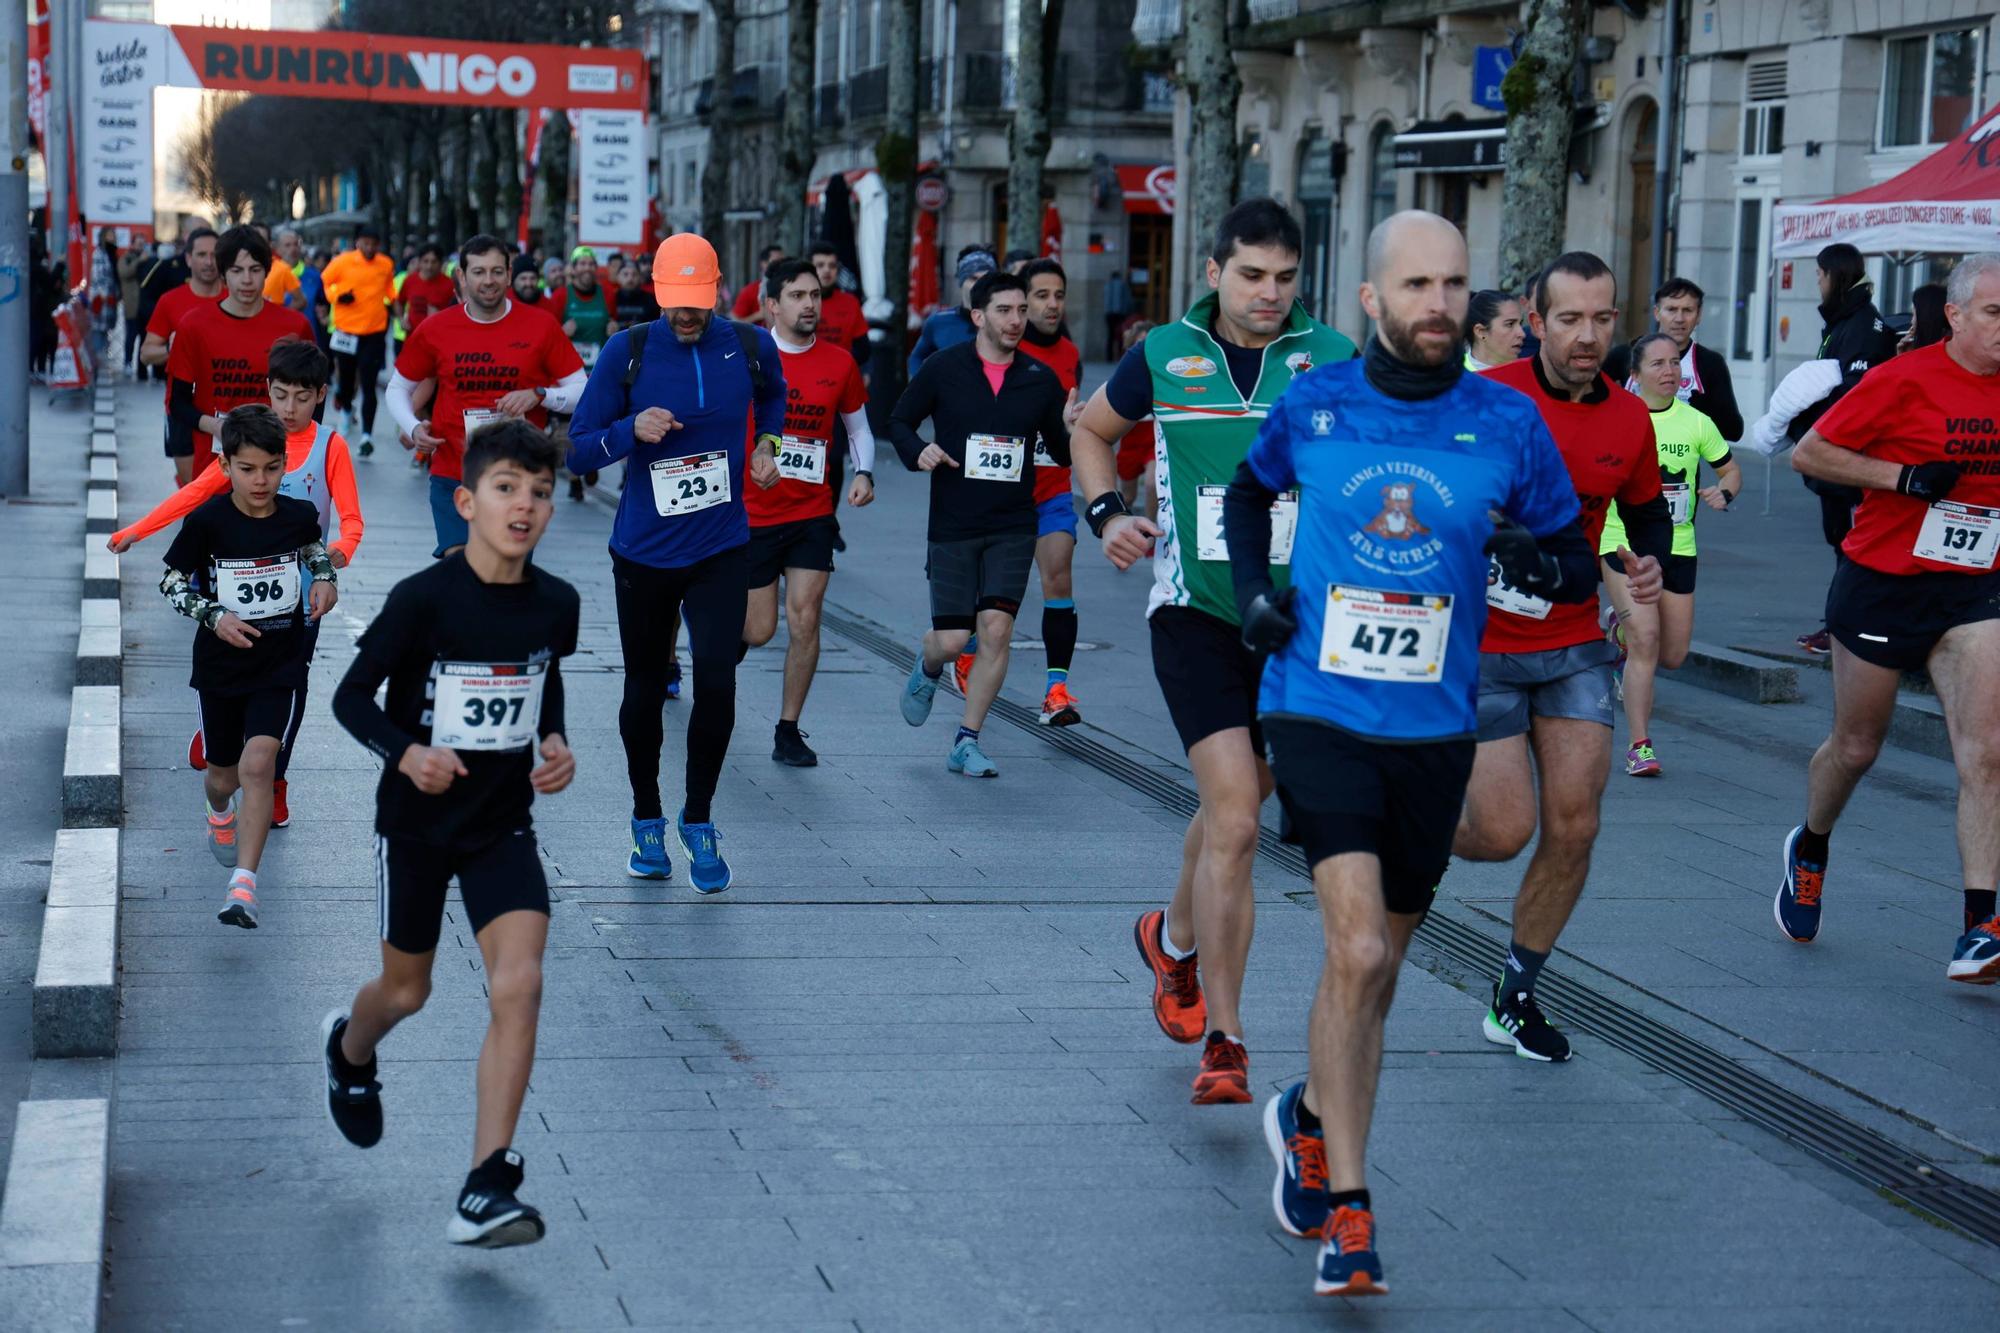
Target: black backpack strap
(747,335)
(635,352)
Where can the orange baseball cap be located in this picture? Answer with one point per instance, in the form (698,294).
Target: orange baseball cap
(685,273)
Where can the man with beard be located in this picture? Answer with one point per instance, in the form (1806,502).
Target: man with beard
(493,358)
(1545,682)
(1410,475)
(1208,379)
(677,400)
(202,288)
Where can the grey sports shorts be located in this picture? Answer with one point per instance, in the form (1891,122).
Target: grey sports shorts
(1557,682)
(978,574)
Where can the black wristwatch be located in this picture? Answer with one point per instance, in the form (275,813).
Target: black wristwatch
(1728,497)
(864,472)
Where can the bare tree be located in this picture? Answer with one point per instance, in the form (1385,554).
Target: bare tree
(896,162)
(555,182)
(1541,113)
(1213,89)
(213,176)
(717,169)
(1028,135)
(795,176)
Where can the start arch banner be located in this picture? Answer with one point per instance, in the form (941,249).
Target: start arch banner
(124,62)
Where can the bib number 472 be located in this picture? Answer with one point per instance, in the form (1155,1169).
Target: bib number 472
(1386,641)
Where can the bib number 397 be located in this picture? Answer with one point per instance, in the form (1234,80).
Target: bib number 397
(691,484)
(1397,637)
(487,706)
(1959,534)
(259,589)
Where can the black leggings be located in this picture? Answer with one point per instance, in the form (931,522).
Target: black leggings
(364,364)
(711,595)
(291,736)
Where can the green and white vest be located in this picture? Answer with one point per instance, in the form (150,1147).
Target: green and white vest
(1204,428)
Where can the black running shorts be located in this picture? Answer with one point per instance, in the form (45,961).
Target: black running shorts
(1210,680)
(1895,620)
(497,877)
(1342,793)
(228,721)
(978,574)
(1676,572)
(805,544)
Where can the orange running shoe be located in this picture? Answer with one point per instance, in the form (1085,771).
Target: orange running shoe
(1177,1002)
(1059,707)
(961,670)
(197,752)
(1225,1072)
(281,812)
(222,834)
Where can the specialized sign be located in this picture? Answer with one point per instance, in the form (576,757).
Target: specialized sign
(122,64)
(611,177)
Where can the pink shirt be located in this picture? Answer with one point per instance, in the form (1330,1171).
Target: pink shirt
(994,374)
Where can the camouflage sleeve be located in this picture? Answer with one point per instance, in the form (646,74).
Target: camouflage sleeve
(315,558)
(181,595)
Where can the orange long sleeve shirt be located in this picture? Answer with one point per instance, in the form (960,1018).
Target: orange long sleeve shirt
(373,284)
(211,482)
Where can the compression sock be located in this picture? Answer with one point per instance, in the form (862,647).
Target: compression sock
(1522,967)
(1349,1199)
(1979,907)
(1059,637)
(1811,846)
(966,734)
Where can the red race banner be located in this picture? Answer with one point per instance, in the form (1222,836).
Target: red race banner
(376,67)
(38,69)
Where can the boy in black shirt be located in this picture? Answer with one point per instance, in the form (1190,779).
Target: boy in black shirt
(993,415)
(235,569)
(470,649)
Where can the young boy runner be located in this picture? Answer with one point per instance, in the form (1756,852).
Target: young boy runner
(237,568)
(470,648)
(318,469)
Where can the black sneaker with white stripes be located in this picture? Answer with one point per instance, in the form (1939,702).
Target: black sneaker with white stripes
(353,1097)
(488,1214)
(1516,1020)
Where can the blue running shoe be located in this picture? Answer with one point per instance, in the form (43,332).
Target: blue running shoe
(649,851)
(967,758)
(1299,1196)
(1976,960)
(918,691)
(1797,905)
(702,843)
(1348,1264)
(674,680)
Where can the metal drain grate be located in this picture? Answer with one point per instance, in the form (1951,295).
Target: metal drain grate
(1841,1143)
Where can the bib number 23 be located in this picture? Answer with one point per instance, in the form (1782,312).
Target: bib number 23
(691,484)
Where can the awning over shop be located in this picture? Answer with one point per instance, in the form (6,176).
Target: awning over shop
(1453,145)
(1147,189)
(1947,204)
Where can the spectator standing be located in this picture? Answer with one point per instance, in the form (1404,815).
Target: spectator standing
(1117,309)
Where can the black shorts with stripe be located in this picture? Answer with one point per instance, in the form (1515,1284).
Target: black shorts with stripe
(494,878)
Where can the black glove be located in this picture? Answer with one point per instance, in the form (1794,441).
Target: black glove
(345,298)
(1522,561)
(1268,623)
(1928,481)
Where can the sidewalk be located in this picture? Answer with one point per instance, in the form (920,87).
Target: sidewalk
(903,1074)
(41,548)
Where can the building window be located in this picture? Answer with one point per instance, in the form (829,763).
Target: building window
(1381,174)
(1899,281)
(1928,83)
(1253,176)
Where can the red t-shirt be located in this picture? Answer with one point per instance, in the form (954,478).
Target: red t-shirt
(840,320)
(1067,362)
(820,382)
(477,365)
(1919,408)
(424,297)
(169,312)
(1609,447)
(748,297)
(227,358)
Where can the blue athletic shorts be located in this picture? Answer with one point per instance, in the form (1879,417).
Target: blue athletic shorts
(1056,514)
(451,529)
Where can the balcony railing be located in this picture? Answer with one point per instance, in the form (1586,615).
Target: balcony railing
(1156,22)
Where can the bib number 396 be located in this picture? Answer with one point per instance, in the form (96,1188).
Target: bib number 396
(259,589)
(487,706)
(1398,637)
(691,484)
(1959,534)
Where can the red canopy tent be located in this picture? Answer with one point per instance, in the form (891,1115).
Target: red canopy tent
(1949,203)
